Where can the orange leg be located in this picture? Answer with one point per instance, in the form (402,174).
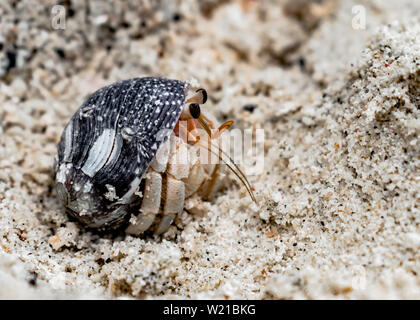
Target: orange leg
(187,133)
(187,129)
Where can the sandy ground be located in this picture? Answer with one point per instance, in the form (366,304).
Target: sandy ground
(338,200)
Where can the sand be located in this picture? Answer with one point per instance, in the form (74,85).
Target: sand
(338,200)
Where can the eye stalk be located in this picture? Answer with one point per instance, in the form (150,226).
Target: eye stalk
(192,109)
(200,97)
(203,94)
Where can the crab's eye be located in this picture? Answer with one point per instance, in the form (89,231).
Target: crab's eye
(203,94)
(195,110)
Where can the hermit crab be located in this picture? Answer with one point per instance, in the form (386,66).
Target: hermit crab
(131,153)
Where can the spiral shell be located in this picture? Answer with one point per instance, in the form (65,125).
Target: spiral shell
(109,143)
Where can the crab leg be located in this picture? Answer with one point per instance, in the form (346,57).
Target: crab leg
(150,204)
(152,191)
(174,204)
(187,133)
(174,189)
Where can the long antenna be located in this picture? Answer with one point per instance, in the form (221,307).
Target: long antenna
(238,172)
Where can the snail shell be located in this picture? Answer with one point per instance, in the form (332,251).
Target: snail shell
(109,143)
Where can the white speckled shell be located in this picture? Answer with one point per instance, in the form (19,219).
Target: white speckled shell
(109,144)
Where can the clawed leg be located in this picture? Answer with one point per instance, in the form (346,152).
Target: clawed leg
(174,189)
(174,203)
(197,176)
(187,131)
(208,125)
(150,204)
(207,189)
